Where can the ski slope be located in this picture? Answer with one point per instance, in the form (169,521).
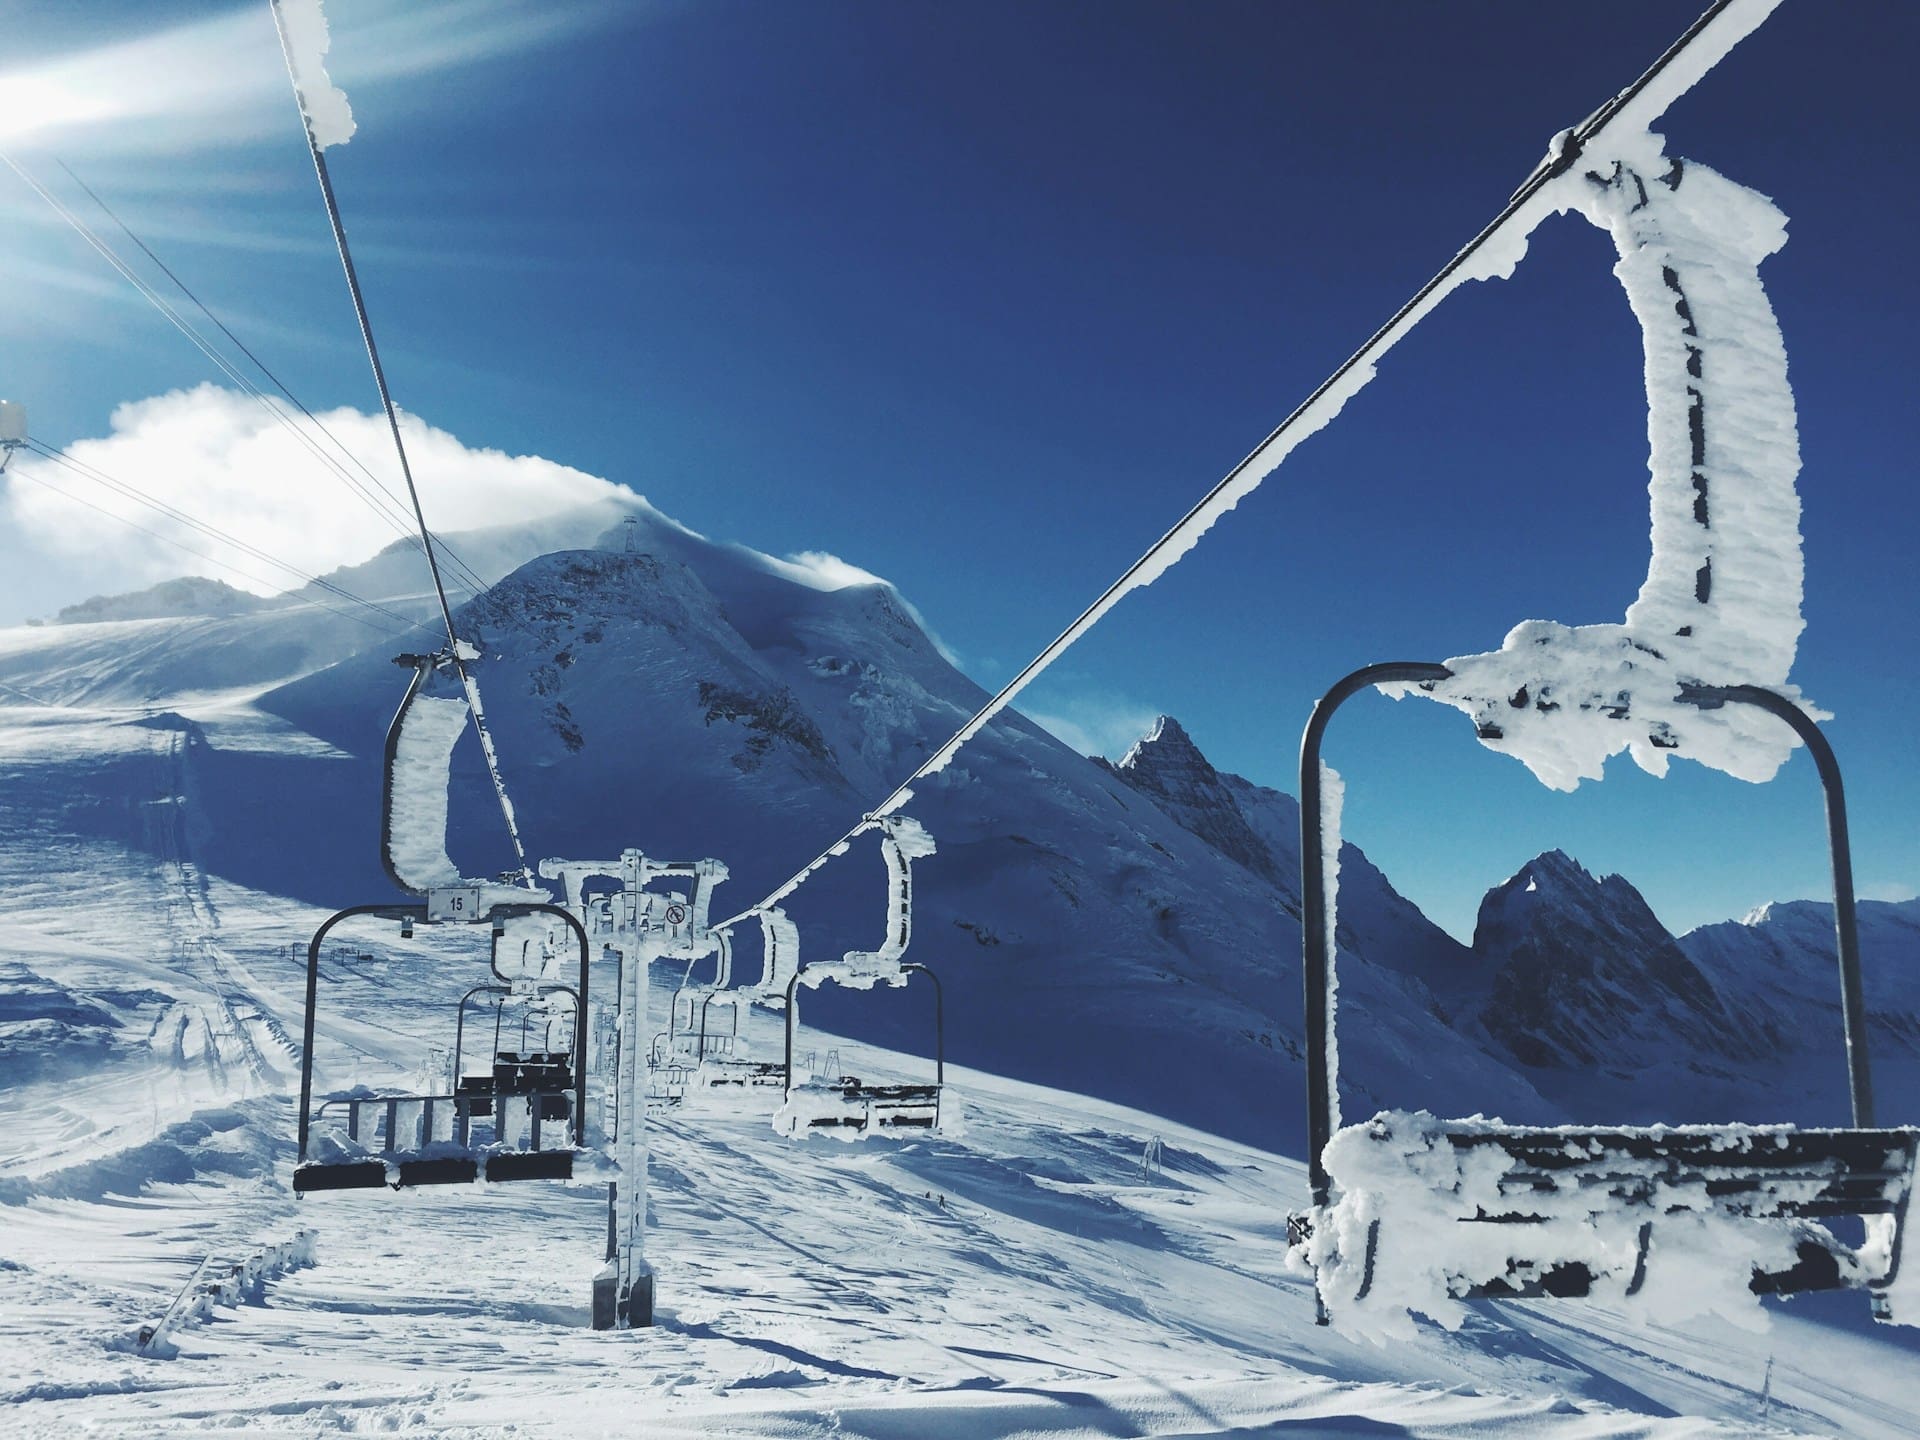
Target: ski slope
(1027,1274)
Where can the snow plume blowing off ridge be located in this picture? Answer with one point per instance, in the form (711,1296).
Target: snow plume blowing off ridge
(221,458)
(1721,601)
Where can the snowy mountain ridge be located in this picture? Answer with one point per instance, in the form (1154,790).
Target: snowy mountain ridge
(696,697)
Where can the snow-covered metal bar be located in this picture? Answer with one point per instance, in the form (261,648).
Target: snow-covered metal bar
(1493,253)
(1316,928)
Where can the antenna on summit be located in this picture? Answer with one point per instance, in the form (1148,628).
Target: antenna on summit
(632,523)
(13,430)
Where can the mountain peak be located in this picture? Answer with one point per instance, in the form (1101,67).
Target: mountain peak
(1584,973)
(1166,745)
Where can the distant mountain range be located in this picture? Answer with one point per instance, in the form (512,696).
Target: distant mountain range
(1130,930)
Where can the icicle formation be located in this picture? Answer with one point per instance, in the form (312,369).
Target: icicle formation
(420,746)
(1721,602)
(780,956)
(304,37)
(1333,794)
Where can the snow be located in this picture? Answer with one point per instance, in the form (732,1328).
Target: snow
(417,796)
(304,37)
(1418,1220)
(1022,1277)
(1333,792)
(1721,601)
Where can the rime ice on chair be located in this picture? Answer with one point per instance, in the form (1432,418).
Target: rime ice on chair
(1721,601)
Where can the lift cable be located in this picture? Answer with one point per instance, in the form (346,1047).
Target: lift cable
(468,576)
(173,316)
(1642,102)
(455,658)
(226,565)
(394,518)
(212,532)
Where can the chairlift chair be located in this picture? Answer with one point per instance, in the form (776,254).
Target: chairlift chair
(723,1063)
(524,1117)
(845,1102)
(1801,1179)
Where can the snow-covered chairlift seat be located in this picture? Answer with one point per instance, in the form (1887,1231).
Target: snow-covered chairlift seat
(1575,1211)
(522,1121)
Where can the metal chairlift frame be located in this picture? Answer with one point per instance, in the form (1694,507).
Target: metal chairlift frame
(1865,1170)
(706,994)
(535,1164)
(898,1094)
(502,994)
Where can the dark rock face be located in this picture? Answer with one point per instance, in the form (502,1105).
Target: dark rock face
(1168,767)
(1584,975)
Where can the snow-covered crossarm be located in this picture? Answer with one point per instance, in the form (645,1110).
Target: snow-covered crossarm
(1673,1221)
(1721,601)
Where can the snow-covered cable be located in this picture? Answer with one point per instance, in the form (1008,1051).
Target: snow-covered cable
(303,61)
(1492,254)
(465,573)
(212,532)
(226,565)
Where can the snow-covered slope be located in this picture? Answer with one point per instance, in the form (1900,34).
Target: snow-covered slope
(1259,827)
(190,595)
(1122,931)
(1778,970)
(1033,1275)
(1582,976)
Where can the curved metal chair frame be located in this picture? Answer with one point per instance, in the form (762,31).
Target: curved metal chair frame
(905,1098)
(1863,1171)
(310,1174)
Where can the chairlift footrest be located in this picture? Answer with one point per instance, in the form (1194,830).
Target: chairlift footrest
(500,1165)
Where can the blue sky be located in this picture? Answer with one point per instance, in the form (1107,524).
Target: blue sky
(982,298)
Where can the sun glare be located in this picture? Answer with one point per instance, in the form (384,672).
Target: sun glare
(31,104)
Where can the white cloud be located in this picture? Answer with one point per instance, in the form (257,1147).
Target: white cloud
(1095,723)
(823,570)
(219,457)
(1891,890)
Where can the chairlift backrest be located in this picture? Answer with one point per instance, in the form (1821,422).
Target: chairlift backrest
(780,955)
(902,841)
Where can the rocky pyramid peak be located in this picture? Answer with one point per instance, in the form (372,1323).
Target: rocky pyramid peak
(1167,754)
(1584,972)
